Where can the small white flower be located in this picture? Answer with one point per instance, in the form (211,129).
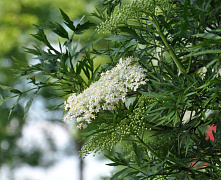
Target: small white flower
(106,93)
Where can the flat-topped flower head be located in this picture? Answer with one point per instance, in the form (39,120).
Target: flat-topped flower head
(105,93)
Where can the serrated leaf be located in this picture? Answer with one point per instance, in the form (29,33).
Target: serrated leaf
(68,22)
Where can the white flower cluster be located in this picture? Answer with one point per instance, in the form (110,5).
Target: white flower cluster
(130,11)
(105,94)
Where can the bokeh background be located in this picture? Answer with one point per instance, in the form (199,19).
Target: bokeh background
(39,146)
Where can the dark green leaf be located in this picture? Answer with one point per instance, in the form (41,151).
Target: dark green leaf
(82,27)
(59,30)
(29,103)
(15,91)
(14,105)
(138,154)
(116,175)
(1,99)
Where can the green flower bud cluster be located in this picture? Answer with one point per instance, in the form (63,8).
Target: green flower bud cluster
(110,134)
(130,11)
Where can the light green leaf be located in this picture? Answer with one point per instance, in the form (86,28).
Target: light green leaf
(118,38)
(210,51)
(90,44)
(16,102)
(1,99)
(15,91)
(209,36)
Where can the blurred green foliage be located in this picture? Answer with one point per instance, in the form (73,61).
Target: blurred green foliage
(16,24)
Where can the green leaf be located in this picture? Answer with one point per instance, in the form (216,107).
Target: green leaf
(41,36)
(5,87)
(16,102)
(82,27)
(86,72)
(68,22)
(152,94)
(90,44)
(138,154)
(118,38)
(210,51)
(177,162)
(213,62)
(29,103)
(119,160)
(116,175)
(217,135)
(15,91)
(1,99)
(59,30)
(209,36)
(133,34)
(116,161)
(35,51)
(142,28)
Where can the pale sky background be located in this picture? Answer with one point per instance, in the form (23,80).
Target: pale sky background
(66,167)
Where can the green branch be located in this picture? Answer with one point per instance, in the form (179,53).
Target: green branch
(171,51)
(148,148)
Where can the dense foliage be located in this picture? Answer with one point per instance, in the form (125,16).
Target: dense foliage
(157,130)
(16,25)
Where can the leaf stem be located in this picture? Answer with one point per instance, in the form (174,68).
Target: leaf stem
(148,148)
(171,51)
